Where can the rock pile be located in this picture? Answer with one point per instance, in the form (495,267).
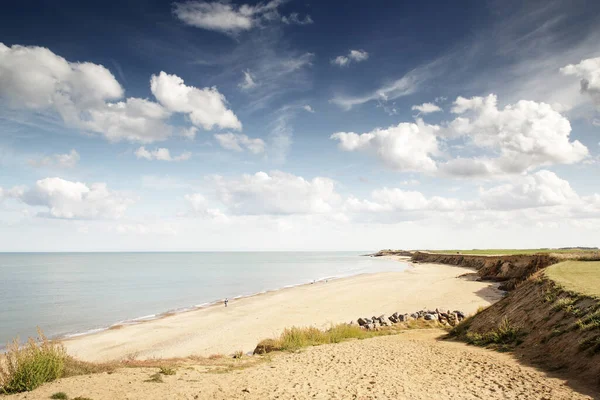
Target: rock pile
(444,318)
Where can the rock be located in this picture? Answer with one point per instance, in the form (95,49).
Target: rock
(382,318)
(362,321)
(460,314)
(430,317)
(414,315)
(393,319)
(370,327)
(385,323)
(395,315)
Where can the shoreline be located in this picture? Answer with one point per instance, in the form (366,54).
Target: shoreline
(210,304)
(247,320)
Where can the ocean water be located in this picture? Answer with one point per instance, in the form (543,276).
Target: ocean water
(77,293)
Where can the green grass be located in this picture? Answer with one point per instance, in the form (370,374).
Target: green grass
(577,276)
(495,252)
(25,368)
(59,396)
(504,335)
(296,338)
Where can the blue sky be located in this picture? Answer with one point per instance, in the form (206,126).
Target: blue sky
(283,125)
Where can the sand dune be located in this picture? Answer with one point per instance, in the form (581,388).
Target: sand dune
(411,365)
(247,321)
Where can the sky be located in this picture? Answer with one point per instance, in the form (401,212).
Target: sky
(293,125)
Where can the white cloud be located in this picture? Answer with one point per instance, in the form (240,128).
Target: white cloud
(404,147)
(353,56)
(588,71)
(68,160)
(75,200)
(248,82)
(205,107)
(145,229)
(294,19)
(198,206)
(189,133)
(161,154)
(237,142)
(86,96)
(541,189)
(426,108)
(308,108)
(525,135)
(277,193)
(135,120)
(224,17)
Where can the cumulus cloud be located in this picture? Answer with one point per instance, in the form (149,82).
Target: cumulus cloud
(248,82)
(404,147)
(189,133)
(353,56)
(277,193)
(588,71)
(68,160)
(522,136)
(239,143)
(88,97)
(224,17)
(426,108)
(541,189)
(308,108)
(75,200)
(161,154)
(205,107)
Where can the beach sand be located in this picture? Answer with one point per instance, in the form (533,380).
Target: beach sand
(413,365)
(220,330)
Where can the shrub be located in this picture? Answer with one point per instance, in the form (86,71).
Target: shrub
(156,378)
(563,303)
(166,371)
(25,368)
(504,334)
(238,354)
(59,396)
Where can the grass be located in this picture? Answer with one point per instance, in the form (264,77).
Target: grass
(503,337)
(25,368)
(155,378)
(40,361)
(238,354)
(167,371)
(577,276)
(497,252)
(59,396)
(296,338)
(81,398)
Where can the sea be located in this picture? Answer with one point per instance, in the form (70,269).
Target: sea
(70,294)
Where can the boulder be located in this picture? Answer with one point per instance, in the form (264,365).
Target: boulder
(430,317)
(370,327)
(414,315)
(362,322)
(382,318)
(393,319)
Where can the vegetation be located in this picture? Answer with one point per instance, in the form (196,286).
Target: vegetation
(238,354)
(39,361)
(167,371)
(25,368)
(496,252)
(296,338)
(156,378)
(577,276)
(59,396)
(505,334)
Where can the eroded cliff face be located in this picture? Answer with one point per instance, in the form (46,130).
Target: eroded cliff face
(511,270)
(557,329)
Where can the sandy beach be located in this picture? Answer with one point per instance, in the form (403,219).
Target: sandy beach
(240,326)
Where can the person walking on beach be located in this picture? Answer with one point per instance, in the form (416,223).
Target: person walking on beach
(226,301)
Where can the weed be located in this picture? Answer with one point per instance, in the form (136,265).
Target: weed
(504,334)
(238,354)
(167,371)
(156,378)
(59,396)
(25,368)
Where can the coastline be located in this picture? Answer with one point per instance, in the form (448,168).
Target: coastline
(214,329)
(213,303)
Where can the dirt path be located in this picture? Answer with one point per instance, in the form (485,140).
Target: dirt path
(412,365)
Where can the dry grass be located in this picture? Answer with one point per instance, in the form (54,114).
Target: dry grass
(511,252)
(296,338)
(577,276)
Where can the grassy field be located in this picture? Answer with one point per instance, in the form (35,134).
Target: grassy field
(578,276)
(489,252)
